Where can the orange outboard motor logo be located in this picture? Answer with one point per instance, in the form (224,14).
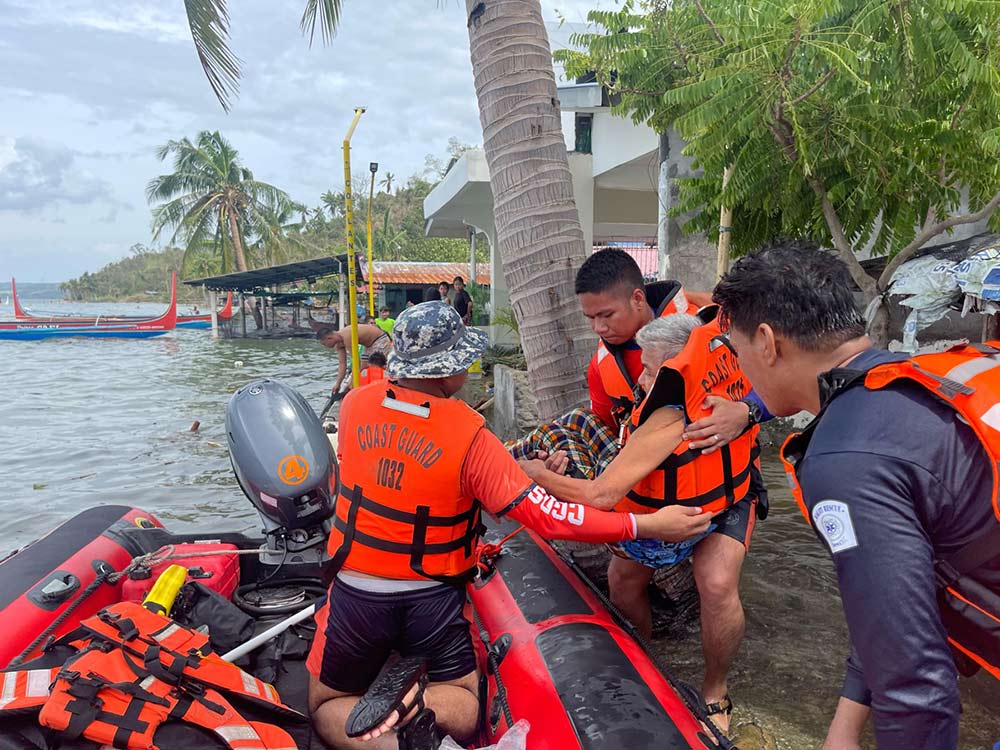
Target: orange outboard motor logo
(293,470)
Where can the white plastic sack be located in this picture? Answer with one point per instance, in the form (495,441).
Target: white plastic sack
(930,288)
(979,274)
(515,738)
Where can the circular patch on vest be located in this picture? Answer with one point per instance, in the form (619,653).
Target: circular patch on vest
(293,469)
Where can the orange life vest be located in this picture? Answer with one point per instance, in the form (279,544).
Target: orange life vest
(618,382)
(372,374)
(401,512)
(132,671)
(967,378)
(706,366)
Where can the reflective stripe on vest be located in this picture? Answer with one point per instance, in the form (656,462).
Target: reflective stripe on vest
(401,512)
(967,378)
(26,689)
(706,366)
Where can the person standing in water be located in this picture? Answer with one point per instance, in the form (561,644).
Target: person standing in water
(371,337)
(897,477)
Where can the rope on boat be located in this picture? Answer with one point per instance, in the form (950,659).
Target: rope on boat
(486,553)
(168,552)
(103,576)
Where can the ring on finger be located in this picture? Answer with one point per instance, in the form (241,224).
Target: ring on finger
(716,438)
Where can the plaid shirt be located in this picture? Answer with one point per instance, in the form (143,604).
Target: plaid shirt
(590,444)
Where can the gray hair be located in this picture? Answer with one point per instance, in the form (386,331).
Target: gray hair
(665,337)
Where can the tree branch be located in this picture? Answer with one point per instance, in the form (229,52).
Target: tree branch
(930,233)
(710,22)
(841,244)
(819,84)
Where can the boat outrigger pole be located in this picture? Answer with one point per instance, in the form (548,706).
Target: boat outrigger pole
(352,275)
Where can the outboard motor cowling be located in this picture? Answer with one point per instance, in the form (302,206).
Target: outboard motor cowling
(284,464)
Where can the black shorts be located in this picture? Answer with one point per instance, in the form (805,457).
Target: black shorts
(363,628)
(738,521)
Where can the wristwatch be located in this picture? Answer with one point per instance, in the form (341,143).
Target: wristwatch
(755,412)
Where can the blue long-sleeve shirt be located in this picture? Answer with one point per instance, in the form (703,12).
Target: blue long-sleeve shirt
(894,479)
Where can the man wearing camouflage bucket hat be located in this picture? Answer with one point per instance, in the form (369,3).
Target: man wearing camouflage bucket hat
(417,469)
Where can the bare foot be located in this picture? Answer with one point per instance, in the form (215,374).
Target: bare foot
(395,721)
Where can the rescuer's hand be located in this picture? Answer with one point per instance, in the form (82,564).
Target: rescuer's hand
(727,420)
(675,523)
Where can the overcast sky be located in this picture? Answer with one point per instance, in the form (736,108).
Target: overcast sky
(90,88)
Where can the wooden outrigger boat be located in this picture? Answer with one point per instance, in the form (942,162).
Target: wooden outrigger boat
(183,321)
(137,328)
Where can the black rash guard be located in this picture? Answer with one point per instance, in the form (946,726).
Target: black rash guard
(916,484)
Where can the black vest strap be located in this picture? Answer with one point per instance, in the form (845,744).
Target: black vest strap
(973,555)
(340,556)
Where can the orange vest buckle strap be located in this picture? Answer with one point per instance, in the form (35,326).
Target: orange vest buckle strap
(401,511)
(418,548)
(706,366)
(967,378)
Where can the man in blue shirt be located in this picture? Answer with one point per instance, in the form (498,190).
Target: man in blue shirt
(892,478)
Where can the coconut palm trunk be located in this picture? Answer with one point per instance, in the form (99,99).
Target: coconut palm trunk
(241,265)
(538,228)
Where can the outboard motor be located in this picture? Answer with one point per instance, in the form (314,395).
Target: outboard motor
(286,467)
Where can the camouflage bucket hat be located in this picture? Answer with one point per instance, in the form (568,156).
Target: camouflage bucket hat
(430,341)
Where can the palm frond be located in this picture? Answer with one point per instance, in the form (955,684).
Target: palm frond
(324,12)
(209,24)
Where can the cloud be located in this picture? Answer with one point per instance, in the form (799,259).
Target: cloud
(35,176)
(91,88)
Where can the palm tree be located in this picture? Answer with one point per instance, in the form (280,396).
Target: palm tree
(538,228)
(386,182)
(212,200)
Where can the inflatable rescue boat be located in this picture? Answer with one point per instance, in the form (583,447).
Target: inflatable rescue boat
(550,650)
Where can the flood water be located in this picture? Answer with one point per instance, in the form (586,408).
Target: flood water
(84,422)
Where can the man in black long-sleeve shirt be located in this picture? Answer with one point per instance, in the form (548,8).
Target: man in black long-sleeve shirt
(892,480)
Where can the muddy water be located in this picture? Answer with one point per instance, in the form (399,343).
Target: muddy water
(85,422)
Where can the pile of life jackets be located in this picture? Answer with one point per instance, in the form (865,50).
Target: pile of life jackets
(133,670)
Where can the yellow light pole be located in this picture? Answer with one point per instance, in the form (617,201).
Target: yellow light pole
(352,275)
(373,168)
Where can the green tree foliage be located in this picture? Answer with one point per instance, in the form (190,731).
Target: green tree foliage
(143,276)
(213,203)
(856,123)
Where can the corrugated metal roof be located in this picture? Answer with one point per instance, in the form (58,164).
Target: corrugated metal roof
(426,274)
(260,278)
(647,256)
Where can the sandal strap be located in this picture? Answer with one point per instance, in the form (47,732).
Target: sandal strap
(724,706)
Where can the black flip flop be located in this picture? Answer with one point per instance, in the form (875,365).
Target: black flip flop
(386,694)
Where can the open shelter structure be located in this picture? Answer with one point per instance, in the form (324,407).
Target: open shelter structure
(265,283)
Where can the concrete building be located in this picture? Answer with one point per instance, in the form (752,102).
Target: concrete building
(615,167)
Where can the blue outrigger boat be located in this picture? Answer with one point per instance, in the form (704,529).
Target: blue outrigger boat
(39,330)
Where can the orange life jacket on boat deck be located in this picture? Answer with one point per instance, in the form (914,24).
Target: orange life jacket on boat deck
(134,670)
(706,366)
(372,374)
(618,383)
(401,512)
(967,378)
